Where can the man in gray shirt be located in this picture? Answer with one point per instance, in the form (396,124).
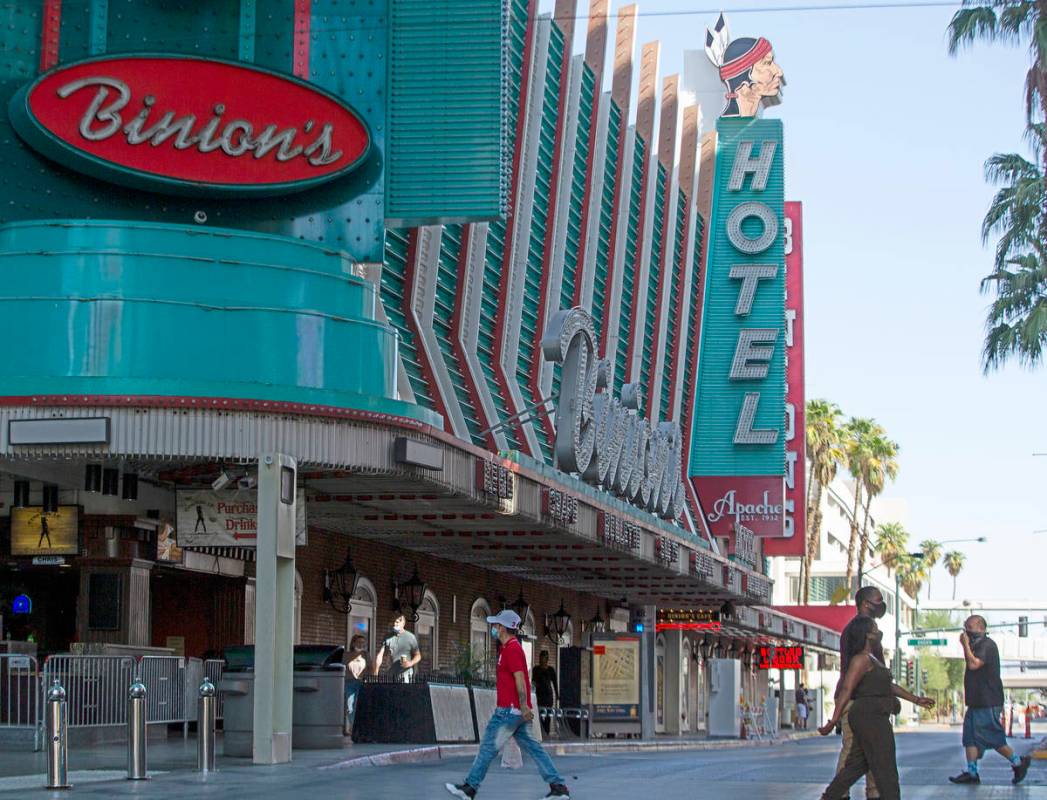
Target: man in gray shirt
(403,650)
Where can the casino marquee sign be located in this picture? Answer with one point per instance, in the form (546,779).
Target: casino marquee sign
(604,439)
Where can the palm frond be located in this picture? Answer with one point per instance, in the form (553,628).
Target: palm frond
(971,24)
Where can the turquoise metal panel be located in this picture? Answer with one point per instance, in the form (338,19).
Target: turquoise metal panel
(392,294)
(719,400)
(632,241)
(347,58)
(672,315)
(447,100)
(248,20)
(654,272)
(148,309)
(603,240)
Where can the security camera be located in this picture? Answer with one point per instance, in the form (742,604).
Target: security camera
(221,481)
(247,482)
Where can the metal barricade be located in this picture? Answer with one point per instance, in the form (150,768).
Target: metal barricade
(20,694)
(213,668)
(95,686)
(165,683)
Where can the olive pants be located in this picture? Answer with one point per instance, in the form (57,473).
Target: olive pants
(848,744)
(871,751)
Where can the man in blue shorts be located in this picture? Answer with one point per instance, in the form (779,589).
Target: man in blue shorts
(983,693)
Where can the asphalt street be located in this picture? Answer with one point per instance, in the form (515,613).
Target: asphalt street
(792,771)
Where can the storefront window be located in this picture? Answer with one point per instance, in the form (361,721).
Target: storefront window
(659,682)
(427,631)
(361,617)
(480,640)
(685,682)
(529,637)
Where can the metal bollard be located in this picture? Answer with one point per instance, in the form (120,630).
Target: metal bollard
(136,769)
(57,738)
(206,710)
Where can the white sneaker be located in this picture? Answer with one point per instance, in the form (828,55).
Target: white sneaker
(557,792)
(463,790)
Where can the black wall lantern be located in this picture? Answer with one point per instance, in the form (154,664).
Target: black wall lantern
(521,607)
(340,584)
(706,648)
(412,592)
(596,624)
(556,625)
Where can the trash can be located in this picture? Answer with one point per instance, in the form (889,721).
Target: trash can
(318,715)
(237,688)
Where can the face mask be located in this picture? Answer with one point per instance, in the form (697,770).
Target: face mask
(974,636)
(494,631)
(879,610)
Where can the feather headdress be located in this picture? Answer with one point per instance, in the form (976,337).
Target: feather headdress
(716,40)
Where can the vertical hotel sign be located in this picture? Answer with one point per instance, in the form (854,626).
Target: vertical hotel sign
(795,396)
(737,464)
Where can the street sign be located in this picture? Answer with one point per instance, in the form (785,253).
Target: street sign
(927,642)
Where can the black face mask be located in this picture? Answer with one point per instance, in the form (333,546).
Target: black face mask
(974,636)
(878,610)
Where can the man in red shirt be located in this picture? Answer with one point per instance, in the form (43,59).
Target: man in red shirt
(513,716)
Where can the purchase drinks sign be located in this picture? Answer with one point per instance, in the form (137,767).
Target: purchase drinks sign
(226,518)
(186,125)
(737,456)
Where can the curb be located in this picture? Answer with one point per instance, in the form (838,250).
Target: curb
(430,753)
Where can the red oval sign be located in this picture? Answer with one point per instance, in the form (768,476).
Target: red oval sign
(190,125)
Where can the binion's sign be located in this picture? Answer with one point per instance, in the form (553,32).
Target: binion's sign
(737,463)
(185,125)
(605,439)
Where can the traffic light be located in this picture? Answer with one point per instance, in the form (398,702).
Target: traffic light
(1023,627)
(910,672)
(923,677)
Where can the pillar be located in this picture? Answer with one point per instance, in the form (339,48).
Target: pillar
(648,690)
(673,681)
(274,609)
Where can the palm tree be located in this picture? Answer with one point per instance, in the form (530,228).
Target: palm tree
(1017,320)
(879,467)
(824,453)
(858,435)
(954,566)
(932,551)
(911,574)
(891,541)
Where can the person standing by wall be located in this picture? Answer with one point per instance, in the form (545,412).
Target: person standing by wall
(513,715)
(983,694)
(355,669)
(543,677)
(802,707)
(403,650)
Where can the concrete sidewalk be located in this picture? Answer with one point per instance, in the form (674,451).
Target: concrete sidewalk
(21,770)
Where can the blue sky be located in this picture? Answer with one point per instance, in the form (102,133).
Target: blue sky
(885,139)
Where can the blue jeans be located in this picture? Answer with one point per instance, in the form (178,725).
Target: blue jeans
(502,726)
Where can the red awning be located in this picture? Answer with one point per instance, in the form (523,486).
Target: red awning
(834,617)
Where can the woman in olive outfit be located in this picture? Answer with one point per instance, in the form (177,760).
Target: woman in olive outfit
(868,682)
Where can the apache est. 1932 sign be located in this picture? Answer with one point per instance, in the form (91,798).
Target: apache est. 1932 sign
(184,125)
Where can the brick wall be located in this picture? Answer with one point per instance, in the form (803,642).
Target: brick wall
(448,580)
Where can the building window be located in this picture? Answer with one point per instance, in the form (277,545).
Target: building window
(427,631)
(361,617)
(794,589)
(824,586)
(480,639)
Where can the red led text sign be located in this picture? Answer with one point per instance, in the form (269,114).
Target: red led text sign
(687,619)
(781,657)
(190,125)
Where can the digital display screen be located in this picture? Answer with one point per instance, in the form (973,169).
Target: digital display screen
(781,657)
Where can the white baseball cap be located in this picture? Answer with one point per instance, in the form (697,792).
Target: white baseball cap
(506,617)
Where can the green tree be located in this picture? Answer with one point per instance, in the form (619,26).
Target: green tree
(1016,323)
(932,552)
(911,574)
(880,466)
(859,444)
(824,454)
(954,560)
(891,540)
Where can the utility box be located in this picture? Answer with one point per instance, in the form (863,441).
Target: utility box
(318,710)
(237,688)
(725,689)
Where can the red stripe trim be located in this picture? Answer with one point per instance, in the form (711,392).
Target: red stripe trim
(619,188)
(658,329)
(742,64)
(510,224)
(303,22)
(547,245)
(456,340)
(412,323)
(50,34)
